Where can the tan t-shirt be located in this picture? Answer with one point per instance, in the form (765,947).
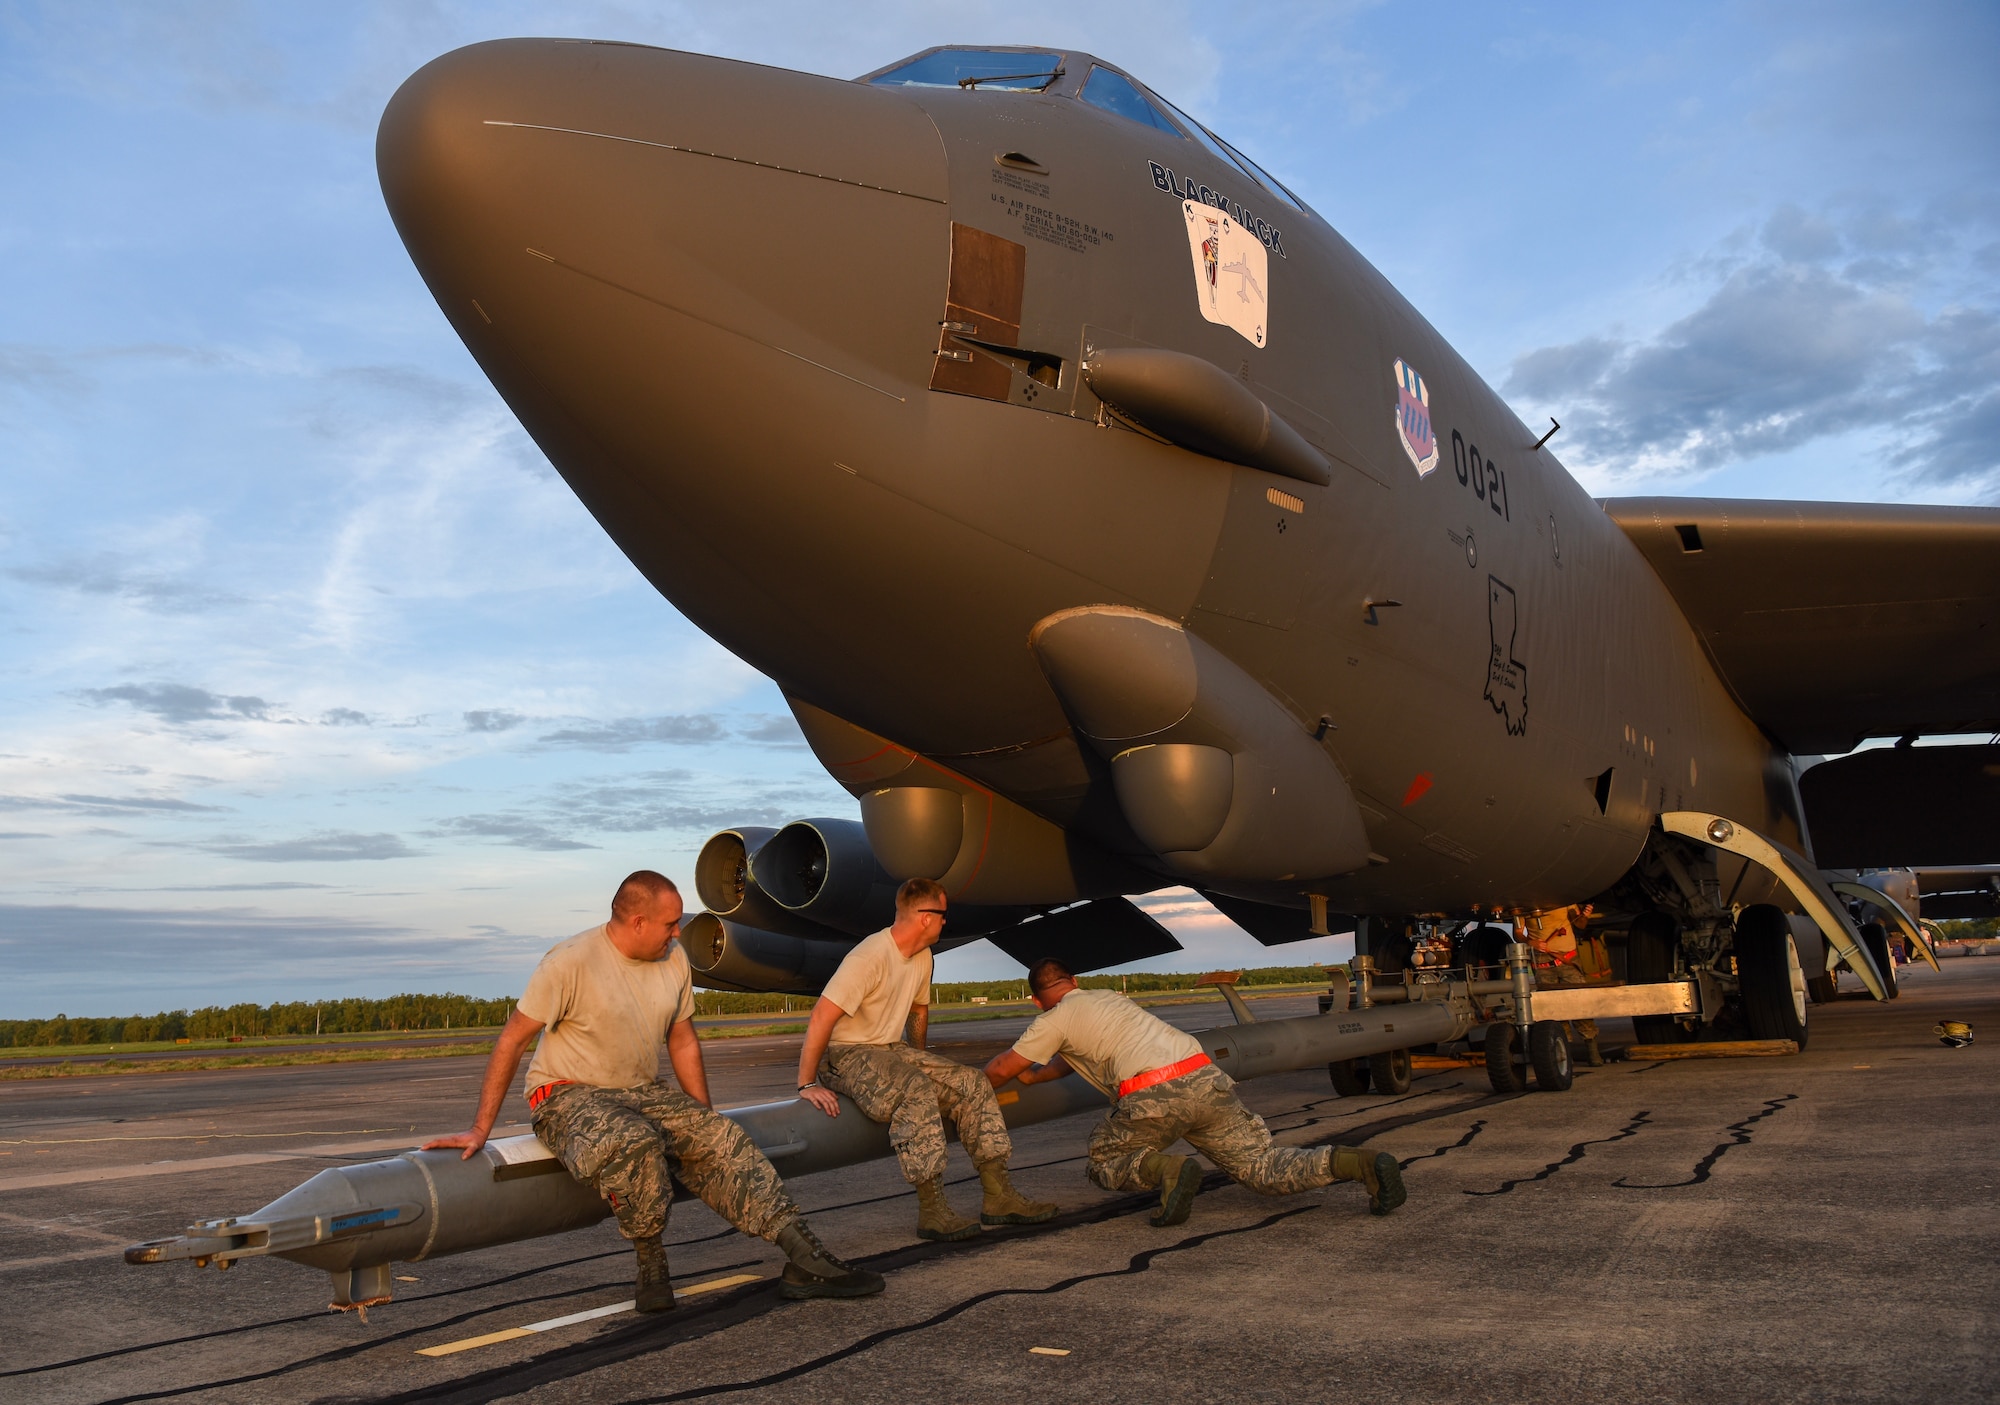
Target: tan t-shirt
(876,984)
(1104,1037)
(606,1015)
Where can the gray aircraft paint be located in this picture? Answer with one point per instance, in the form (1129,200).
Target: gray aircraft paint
(751,315)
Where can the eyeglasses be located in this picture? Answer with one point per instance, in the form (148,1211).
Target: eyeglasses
(936,912)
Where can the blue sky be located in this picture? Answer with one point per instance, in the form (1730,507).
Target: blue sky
(315,679)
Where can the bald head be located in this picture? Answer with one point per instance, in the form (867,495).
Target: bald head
(639,892)
(645,916)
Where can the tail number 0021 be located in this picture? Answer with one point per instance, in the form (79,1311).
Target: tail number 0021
(1482,475)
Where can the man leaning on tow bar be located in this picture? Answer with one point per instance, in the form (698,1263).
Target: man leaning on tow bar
(1163,1087)
(605,997)
(859,1023)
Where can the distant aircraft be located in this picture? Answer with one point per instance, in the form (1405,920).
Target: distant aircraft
(1088,570)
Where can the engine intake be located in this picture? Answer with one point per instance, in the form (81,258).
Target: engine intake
(730,956)
(825,872)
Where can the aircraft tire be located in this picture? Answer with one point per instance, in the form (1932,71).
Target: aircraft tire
(1876,938)
(1504,1069)
(1824,990)
(1350,1077)
(1767,969)
(1390,1072)
(1548,1051)
(1649,960)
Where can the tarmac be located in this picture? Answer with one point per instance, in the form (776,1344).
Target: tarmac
(1820,1227)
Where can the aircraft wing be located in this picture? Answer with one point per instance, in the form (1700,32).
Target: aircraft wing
(1834,622)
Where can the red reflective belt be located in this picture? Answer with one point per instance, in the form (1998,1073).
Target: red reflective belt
(1164,1074)
(541,1094)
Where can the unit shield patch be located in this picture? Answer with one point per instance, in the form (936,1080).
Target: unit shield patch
(1413,418)
(1230,266)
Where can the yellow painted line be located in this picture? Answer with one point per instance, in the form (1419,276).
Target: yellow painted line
(449,1348)
(713,1285)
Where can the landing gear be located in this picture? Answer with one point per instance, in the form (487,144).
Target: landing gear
(1350,1076)
(1824,989)
(1649,960)
(1767,968)
(1390,1072)
(1548,1051)
(1504,1069)
(1876,939)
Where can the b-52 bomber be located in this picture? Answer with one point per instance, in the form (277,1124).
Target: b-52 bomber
(1110,523)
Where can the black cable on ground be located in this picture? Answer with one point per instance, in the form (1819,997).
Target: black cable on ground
(1739,1135)
(1640,1120)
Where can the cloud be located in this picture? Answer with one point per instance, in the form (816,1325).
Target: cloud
(511,829)
(627,732)
(773,729)
(106,804)
(327,846)
(345,717)
(278,887)
(494,720)
(159,592)
(177,703)
(100,961)
(1793,345)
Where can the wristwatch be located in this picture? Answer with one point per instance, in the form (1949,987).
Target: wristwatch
(814,1084)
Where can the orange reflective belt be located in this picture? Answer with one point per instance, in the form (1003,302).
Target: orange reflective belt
(541,1094)
(1165,1074)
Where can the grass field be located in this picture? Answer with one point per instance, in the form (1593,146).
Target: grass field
(61,1062)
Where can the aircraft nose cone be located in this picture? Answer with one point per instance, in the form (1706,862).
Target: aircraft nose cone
(567,199)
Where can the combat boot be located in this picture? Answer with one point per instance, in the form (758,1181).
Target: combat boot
(656,1293)
(1004,1204)
(935,1217)
(1380,1173)
(1180,1178)
(815,1273)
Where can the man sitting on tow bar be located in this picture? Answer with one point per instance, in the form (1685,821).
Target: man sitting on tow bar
(1163,1087)
(606,997)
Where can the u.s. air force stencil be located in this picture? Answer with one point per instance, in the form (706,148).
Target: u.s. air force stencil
(1230,272)
(1506,676)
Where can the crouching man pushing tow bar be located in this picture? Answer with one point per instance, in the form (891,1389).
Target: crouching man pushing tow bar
(1163,1088)
(605,997)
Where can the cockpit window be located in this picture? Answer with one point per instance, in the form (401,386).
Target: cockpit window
(1114,92)
(1224,152)
(975,68)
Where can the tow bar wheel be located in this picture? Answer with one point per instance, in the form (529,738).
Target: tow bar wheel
(1504,1069)
(1350,1077)
(1548,1051)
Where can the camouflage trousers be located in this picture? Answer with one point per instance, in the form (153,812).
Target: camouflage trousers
(628,1144)
(1202,1107)
(914,1090)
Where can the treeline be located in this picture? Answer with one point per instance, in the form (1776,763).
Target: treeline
(400,1013)
(1970,929)
(353,1016)
(1132,983)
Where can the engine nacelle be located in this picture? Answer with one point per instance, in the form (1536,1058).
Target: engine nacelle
(730,956)
(723,880)
(1212,772)
(825,872)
